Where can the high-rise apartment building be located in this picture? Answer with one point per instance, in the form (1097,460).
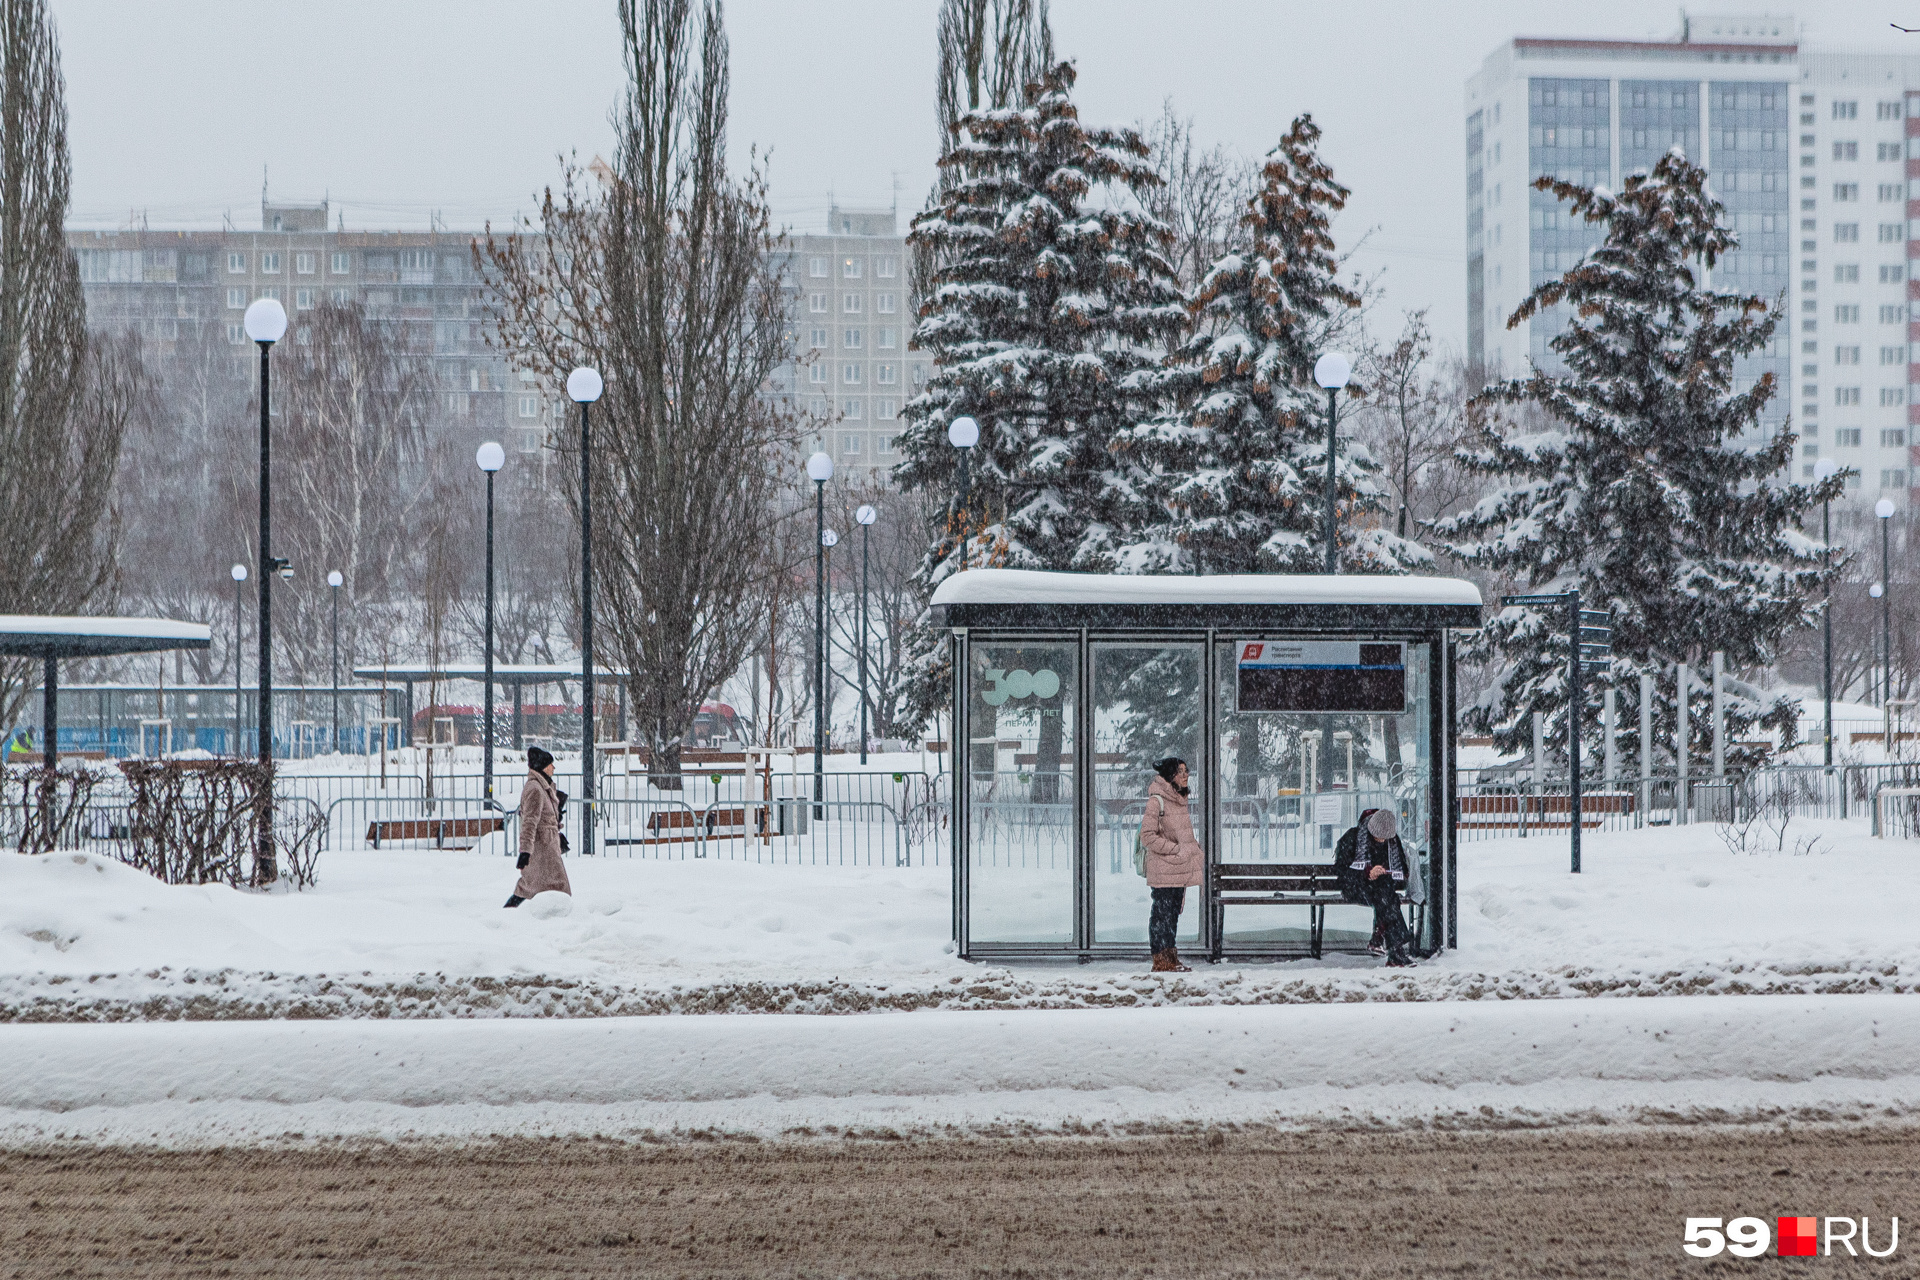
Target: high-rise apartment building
(174,286)
(851,317)
(1808,150)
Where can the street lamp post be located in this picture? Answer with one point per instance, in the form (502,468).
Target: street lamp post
(334,579)
(819,470)
(1823,471)
(963,434)
(866,515)
(239,582)
(583,388)
(491,457)
(265,322)
(1884,510)
(1331,371)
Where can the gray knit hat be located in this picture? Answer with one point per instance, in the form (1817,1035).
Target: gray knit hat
(1381,824)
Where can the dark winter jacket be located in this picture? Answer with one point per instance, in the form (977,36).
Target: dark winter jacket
(1358,846)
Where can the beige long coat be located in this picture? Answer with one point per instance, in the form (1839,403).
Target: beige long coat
(540,838)
(1174,859)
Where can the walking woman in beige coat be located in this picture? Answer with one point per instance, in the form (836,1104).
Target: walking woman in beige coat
(540,847)
(1174,859)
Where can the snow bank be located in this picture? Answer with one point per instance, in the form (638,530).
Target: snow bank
(1534,1062)
(420,934)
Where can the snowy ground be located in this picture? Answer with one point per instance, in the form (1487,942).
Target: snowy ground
(421,934)
(142,1012)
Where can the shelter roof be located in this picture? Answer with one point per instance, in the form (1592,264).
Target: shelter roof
(51,636)
(503,672)
(1028,598)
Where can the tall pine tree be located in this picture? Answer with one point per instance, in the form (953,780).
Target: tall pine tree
(1649,489)
(1232,471)
(1053,287)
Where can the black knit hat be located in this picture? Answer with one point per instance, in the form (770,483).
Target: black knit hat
(538,758)
(1168,767)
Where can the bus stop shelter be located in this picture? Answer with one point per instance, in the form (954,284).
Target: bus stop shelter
(51,638)
(1298,701)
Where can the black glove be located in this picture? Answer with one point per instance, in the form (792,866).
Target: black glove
(565,844)
(522,864)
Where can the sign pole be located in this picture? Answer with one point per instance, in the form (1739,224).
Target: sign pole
(1574,699)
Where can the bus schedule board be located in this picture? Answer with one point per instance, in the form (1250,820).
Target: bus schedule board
(1322,676)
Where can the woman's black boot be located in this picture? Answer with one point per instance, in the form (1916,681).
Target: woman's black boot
(515,900)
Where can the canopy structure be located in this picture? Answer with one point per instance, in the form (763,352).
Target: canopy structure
(1036,598)
(516,674)
(51,638)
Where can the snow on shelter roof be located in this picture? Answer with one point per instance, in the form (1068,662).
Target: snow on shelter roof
(36,636)
(1034,586)
(503,672)
(1028,597)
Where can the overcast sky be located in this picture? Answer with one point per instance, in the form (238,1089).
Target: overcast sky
(399,108)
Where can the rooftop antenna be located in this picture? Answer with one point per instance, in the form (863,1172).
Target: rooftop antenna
(343,219)
(263,184)
(896,193)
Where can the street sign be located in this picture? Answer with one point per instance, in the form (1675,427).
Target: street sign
(1596,635)
(1525,602)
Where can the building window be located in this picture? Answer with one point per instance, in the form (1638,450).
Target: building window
(886,411)
(1889,151)
(1847,438)
(1846,232)
(1893,478)
(1891,396)
(883,303)
(884,374)
(338,297)
(850,268)
(236,297)
(849,442)
(303,299)
(1893,232)
(850,373)
(1848,273)
(886,342)
(270,293)
(851,304)
(817,303)
(1893,355)
(817,371)
(886,268)
(817,338)
(1892,314)
(303,263)
(1892,192)
(817,268)
(1846,355)
(887,443)
(1846,191)
(236,262)
(1887,111)
(1846,151)
(530,406)
(1846,314)
(235,333)
(851,339)
(919,375)
(342,263)
(1893,273)
(529,442)
(850,410)
(1893,437)
(270,264)
(1846,110)
(416,260)
(1844,396)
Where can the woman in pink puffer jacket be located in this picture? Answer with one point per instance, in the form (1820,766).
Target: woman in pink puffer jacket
(1174,859)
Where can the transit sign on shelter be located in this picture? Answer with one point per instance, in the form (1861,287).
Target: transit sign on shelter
(1322,676)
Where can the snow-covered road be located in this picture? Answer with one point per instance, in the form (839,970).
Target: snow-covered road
(1455,1064)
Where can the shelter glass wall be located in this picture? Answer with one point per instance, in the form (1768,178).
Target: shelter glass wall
(1149,701)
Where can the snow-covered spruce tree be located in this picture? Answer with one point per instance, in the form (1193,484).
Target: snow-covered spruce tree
(1232,469)
(1051,288)
(1648,490)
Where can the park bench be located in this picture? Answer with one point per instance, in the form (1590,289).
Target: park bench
(1502,811)
(438,830)
(681,826)
(1314,885)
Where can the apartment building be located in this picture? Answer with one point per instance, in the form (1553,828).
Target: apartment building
(851,318)
(1809,151)
(195,286)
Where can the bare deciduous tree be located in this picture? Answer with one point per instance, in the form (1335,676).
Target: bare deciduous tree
(1414,420)
(65,397)
(669,283)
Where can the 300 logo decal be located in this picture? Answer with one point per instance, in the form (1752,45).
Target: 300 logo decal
(1799,1237)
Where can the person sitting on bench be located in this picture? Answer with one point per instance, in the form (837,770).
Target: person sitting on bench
(1373,869)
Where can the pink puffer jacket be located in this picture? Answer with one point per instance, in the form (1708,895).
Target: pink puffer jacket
(1174,858)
